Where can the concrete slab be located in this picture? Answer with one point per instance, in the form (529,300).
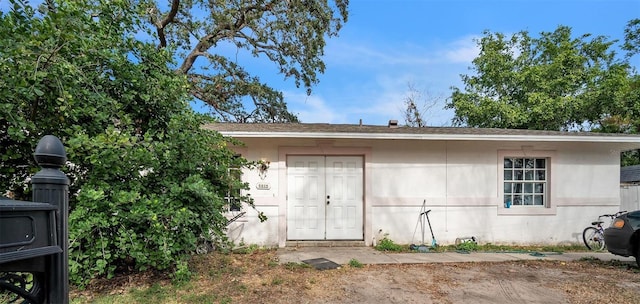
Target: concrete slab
(368,255)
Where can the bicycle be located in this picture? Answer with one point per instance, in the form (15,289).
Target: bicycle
(593,236)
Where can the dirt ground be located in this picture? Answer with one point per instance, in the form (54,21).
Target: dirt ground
(259,278)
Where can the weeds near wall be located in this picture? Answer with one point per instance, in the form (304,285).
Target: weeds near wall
(387,244)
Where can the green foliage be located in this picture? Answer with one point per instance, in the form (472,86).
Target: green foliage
(632,38)
(489,247)
(290,34)
(355,263)
(182,273)
(154,294)
(553,82)
(467,246)
(272,264)
(147,182)
(386,244)
(252,248)
(243,248)
(630,158)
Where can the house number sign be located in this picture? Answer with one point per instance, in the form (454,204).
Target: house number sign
(263,186)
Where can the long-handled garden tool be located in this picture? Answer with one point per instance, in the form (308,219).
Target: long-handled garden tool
(424,216)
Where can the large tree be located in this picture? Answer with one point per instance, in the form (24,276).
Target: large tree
(147,182)
(553,82)
(289,33)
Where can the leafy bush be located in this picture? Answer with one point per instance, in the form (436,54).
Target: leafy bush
(467,246)
(147,182)
(123,218)
(387,244)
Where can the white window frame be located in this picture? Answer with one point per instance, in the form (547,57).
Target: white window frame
(230,197)
(549,205)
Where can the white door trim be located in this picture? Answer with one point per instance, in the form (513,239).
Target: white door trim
(323,147)
(325,198)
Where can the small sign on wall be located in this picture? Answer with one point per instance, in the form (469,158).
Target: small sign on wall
(263,186)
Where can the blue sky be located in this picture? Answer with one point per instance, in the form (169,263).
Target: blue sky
(388,44)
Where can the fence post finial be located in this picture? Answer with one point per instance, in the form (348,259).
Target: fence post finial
(50,185)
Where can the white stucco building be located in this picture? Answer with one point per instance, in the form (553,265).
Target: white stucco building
(357,183)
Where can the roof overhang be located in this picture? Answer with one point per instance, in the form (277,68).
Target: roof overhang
(241,131)
(465,137)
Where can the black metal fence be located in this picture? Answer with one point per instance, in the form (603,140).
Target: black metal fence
(34,236)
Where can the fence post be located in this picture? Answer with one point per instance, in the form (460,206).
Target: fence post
(50,185)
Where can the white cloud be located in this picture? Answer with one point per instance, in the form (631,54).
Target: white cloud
(311,109)
(463,50)
(381,55)
(374,108)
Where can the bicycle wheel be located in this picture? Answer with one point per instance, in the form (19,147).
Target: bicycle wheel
(593,238)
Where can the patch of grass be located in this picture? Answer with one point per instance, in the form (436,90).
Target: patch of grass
(277,281)
(215,278)
(355,263)
(106,299)
(219,267)
(243,288)
(199,298)
(564,248)
(153,294)
(467,246)
(244,249)
(488,247)
(387,244)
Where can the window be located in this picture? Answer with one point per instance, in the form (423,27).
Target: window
(233,197)
(525,182)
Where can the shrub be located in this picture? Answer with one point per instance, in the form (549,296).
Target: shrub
(467,246)
(387,244)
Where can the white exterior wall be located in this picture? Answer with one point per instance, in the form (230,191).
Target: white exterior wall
(460,181)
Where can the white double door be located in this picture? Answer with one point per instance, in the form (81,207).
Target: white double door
(324,198)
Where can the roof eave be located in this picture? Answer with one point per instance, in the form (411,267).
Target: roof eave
(457,137)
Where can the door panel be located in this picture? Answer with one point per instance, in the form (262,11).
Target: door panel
(325,198)
(306,205)
(344,189)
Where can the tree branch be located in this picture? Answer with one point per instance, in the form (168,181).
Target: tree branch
(206,42)
(160,25)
